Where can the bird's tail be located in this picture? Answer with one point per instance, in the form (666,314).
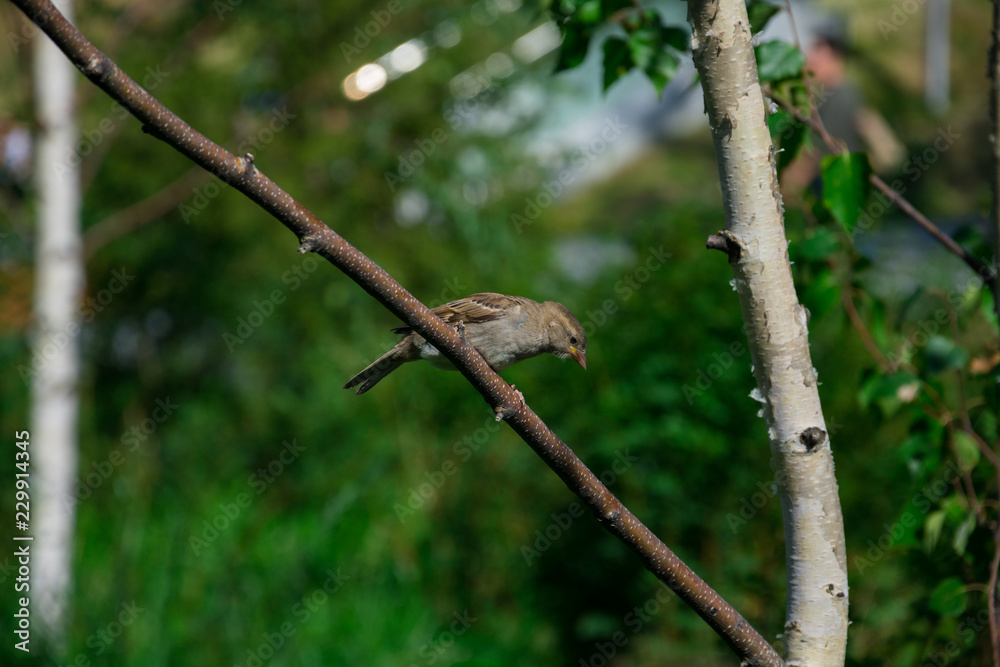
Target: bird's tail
(377,370)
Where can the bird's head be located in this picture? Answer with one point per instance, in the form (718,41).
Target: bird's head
(566,336)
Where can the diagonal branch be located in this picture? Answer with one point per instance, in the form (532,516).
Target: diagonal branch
(315,236)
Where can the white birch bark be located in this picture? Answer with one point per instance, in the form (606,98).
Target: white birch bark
(59,280)
(816,616)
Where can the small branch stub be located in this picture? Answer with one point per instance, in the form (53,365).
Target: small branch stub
(308,244)
(726,242)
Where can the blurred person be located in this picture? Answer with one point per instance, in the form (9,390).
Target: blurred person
(842,110)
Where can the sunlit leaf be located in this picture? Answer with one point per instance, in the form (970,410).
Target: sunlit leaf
(760,13)
(967,450)
(651,53)
(932,529)
(777,60)
(962,533)
(846,186)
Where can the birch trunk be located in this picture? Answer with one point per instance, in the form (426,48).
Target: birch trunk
(58,286)
(816,617)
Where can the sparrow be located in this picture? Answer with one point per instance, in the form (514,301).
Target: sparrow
(504,329)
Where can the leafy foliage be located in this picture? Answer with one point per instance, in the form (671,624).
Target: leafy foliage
(649,45)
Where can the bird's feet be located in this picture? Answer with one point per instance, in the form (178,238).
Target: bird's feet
(499,409)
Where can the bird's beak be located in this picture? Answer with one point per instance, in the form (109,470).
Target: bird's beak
(578,356)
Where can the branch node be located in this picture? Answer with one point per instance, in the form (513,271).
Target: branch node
(97,66)
(308,244)
(726,242)
(812,437)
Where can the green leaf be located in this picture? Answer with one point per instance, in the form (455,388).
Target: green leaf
(922,453)
(948,598)
(878,327)
(846,187)
(822,294)
(792,139)
(962,533)
(609,7)
(650,51)
(943,354)
(777,60)
(590,13)
(986,424)
(967,451)
(676,38)
(889,391)
(932,529)
(576,41)
(818,245)
(778,122)
(645,43)
(663,71)
(760,13)
(617,60)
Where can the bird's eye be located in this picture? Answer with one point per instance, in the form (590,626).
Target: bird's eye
(572,340)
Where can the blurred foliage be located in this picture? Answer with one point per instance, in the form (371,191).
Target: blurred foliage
(260,514)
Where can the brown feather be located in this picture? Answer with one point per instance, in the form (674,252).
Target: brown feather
(481,307)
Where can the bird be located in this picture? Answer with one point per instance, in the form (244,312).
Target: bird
(504,329)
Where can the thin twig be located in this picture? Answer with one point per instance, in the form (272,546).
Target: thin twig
(315,236)
(991,600)
(994,76)
(866,338)
(838,148)
(142,212)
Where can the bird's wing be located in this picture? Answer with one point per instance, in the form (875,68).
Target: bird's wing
(482,307)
